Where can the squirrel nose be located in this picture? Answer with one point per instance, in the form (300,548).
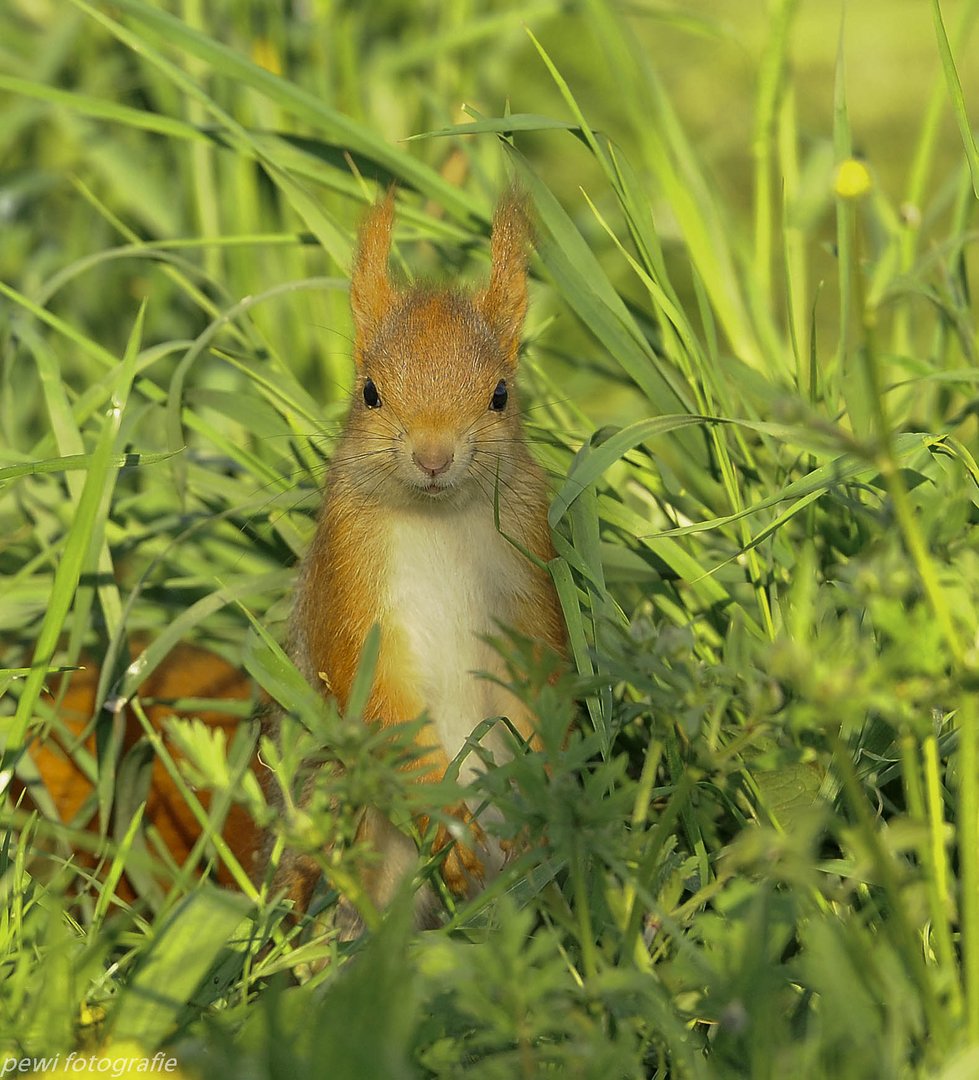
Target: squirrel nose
(432,460)
(431,452)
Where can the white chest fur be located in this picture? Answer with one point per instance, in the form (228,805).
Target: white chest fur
(452,580)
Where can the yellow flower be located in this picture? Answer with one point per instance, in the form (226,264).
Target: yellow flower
(852,179)
(266,55)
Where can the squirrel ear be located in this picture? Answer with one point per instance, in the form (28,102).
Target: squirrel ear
(371,292)
(503,302)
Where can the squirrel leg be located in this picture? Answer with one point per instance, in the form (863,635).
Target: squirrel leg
(462,869)
(395,854)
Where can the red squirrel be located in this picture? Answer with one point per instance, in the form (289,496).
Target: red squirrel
(408,537)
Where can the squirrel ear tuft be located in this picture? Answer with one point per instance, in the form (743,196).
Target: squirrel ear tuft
(371,292)
(503,302)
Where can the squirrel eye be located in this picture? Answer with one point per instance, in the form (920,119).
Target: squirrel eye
(498,401)
(372,399)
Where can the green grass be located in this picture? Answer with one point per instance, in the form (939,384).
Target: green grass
(757,855)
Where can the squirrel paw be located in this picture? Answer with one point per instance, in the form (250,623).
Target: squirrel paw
(462,869)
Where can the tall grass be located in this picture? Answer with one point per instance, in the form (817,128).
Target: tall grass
(758,852)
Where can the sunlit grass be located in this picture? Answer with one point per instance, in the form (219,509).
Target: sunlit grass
(758,853)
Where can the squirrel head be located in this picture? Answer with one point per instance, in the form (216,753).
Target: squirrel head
(434,411)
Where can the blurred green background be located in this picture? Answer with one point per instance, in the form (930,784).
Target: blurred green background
(405,69)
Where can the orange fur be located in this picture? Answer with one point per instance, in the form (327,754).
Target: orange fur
(416,478)
(504,301)
(187,672)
